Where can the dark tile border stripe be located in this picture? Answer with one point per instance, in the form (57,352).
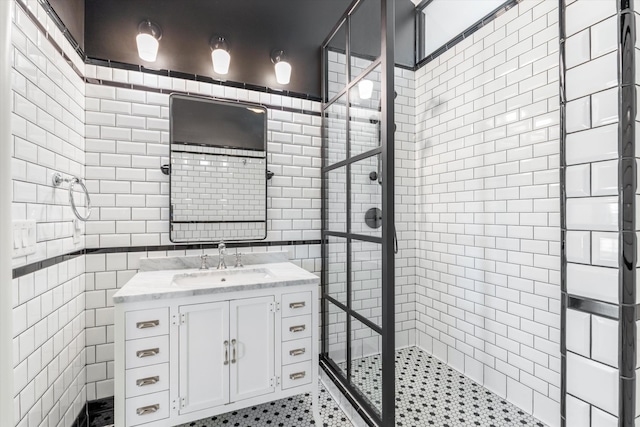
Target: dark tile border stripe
(457,39)
(590,306)
(39,265)
(111,83)
(200,78)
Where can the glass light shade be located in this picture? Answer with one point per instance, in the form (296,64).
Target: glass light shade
(147,47)
(221,60)
(365,89)
(283,72)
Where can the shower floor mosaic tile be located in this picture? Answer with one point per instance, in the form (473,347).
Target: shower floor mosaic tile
(429,394)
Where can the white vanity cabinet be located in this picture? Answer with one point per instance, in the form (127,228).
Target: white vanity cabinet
(183,358)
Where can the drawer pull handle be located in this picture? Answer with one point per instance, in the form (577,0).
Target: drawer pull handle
(298,328)
(146,410)
(148,353)
(297,352)
(226,352)
(148,324)
(233,357)
(300,304)
(298,375)
(147,381)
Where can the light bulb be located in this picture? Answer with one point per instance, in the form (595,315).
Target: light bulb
(365,89)
(148,40)
(221,60)
(147,47)
(283,72)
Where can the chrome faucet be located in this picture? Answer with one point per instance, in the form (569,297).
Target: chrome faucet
(203,265)
(238,260)
(222,250)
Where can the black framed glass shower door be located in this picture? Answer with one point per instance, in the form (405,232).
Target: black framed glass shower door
(358,208)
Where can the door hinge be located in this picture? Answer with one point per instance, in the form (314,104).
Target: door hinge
(179,319)
(183,402)
(275,381)
(274,307)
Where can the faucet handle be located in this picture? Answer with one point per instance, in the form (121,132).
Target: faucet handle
(203,262)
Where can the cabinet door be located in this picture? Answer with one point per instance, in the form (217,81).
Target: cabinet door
(253,329)
(204,355)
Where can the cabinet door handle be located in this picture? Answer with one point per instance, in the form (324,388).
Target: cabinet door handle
(226,352)
(298,375)
(298,328)
(300,304)
(148,324)
(297,352)
(147,381)
(148,353)
(233,345)
(146,410)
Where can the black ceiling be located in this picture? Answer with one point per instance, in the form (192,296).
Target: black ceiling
(252,27)
(71,12)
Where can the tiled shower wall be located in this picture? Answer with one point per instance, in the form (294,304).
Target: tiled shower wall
(489,208)
(48,136)
(601,377)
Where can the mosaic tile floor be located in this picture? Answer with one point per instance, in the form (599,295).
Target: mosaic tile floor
(290,412)
(430,394)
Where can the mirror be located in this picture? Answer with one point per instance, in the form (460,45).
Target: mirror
(218,170)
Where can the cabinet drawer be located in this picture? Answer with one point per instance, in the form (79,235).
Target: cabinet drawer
(147,323)
(148,379)
(296,304)
(294,328)
(147,351)
(147,408)
(296,375)
(296,351)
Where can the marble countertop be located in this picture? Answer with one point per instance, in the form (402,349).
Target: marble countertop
(160,284)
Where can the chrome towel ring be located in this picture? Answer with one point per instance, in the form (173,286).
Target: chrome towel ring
(58,180)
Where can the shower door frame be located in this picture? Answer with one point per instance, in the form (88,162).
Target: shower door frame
(385,153)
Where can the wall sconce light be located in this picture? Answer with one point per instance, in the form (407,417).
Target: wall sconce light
(220,54)
(365,89)
(149,35)
(283,68)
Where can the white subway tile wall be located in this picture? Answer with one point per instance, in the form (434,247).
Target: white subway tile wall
(592,210)
(132,195)
(48,136)
(489,207)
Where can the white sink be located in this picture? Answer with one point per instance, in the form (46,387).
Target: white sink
(220,278)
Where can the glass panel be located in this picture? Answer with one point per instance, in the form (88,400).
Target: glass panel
(336,57)
(364,113)
(337,199)
(335,130)
(365,36)
(337,268)
(366,363)
(366,197)
(336,338)
(366,280)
